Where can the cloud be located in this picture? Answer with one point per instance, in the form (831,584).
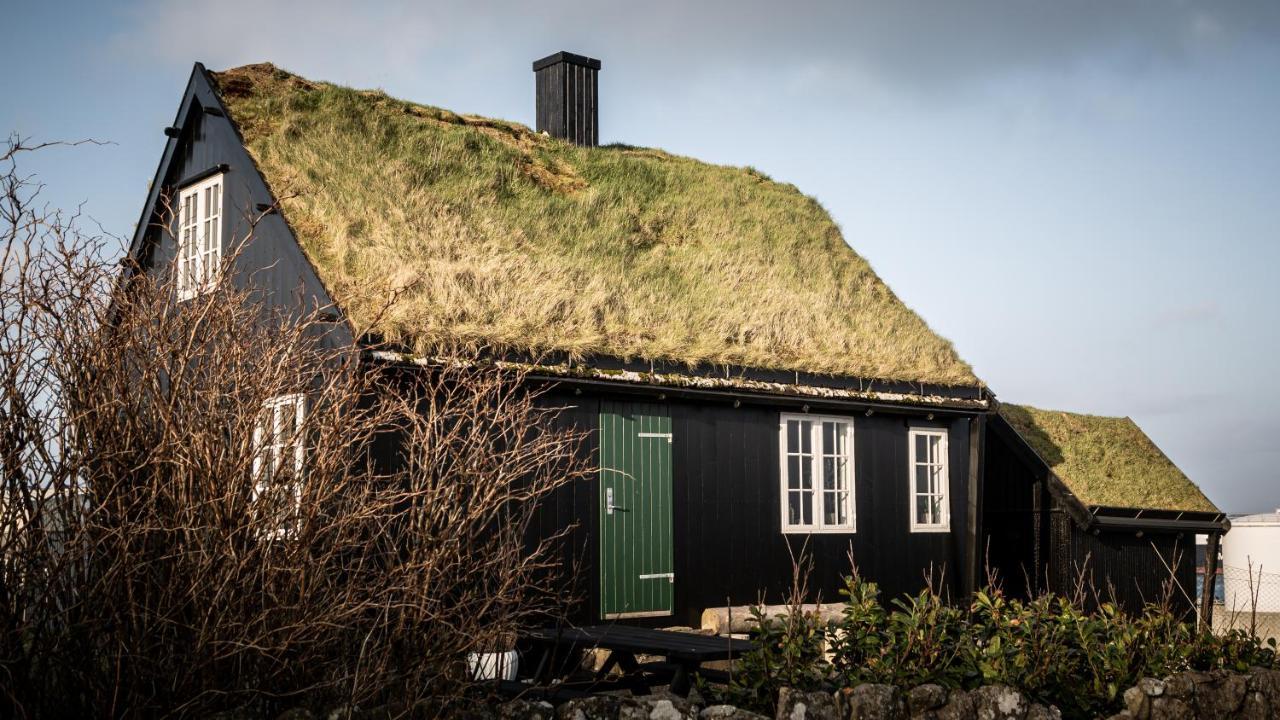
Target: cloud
(910,44)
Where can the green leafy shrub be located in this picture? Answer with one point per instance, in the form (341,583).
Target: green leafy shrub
(1051,649)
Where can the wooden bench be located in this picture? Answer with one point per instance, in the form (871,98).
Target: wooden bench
(684,653)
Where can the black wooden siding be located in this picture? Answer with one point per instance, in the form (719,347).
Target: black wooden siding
(270,261)
(1128,568)
(1015,506)
(729,547)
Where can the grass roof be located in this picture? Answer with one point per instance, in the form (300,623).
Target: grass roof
(1106,460)
(491,236)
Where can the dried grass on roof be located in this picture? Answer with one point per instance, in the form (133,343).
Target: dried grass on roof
(494,237)
(1106,460)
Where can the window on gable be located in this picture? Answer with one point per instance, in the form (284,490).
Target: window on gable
(817,473)
(199,236)
(278,459)
(930,508)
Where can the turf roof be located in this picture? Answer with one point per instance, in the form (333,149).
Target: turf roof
(1106,460)
(494,237)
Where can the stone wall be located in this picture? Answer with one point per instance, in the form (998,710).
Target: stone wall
(1254,695)
(1221,695)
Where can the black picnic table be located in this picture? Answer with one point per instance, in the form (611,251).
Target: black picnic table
(684,652)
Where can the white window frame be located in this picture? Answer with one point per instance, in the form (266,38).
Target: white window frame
(943,488)
(817,492)
(270,447)
(200,229)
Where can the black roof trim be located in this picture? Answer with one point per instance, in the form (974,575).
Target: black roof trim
(566,57)
(1157,524)
(197,177)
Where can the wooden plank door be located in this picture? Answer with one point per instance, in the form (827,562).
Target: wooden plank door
(636,560)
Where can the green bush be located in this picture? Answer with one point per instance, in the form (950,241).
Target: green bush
(1050,648)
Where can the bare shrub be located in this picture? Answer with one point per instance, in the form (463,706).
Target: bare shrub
(176,537)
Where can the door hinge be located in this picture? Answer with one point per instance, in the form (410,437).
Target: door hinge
(655,435)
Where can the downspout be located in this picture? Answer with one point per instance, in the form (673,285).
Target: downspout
(973,558)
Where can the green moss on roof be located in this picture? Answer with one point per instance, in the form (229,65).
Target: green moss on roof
(1106,460)
(491,236)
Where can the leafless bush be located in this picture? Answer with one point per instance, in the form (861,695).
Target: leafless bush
(170,543)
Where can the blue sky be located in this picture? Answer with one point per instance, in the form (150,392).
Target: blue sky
(1084,197)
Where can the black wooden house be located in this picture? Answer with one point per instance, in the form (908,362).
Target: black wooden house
(749,385)
(747,381)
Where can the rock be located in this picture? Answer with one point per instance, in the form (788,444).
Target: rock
(520,709)
(659,706)
(728,712)
(1040,712)
(296,714)
(1220,694)
(871,702)
(960,706)
(999,702)
(1181,686)
(1256,707)
(1167,708)
(1267,682)
(1151,687)
(923,698)
(797,705)
(598,707)
(1137,703)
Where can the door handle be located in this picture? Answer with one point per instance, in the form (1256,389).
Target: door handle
(609,507)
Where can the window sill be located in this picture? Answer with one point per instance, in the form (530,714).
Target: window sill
(819,531)
(930,528)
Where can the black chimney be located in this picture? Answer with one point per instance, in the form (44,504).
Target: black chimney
(566,90)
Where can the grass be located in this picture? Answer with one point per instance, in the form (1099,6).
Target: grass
(1106,460)
(492,237)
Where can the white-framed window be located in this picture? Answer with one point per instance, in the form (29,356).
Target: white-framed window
(930,480)
(199,236)
(817,473)
(279,454)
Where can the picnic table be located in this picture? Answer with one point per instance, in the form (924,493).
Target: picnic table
(684,654)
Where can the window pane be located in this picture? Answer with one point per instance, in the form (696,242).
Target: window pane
(842,500)
(806,474)
(288,420)
(806,436)
(829,473)
(793,436)
(935,508)
(793,508)
(830,514)
(935,480)
(922,510)
(828,437)
(807,507)
(922,479)
(793,472)
(935,449)
(838,445)
(922,448)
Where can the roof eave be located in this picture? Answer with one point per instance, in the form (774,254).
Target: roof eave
(737,388)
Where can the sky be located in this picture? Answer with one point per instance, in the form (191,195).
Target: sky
(1084,197)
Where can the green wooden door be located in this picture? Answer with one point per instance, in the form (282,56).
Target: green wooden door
(636,566)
